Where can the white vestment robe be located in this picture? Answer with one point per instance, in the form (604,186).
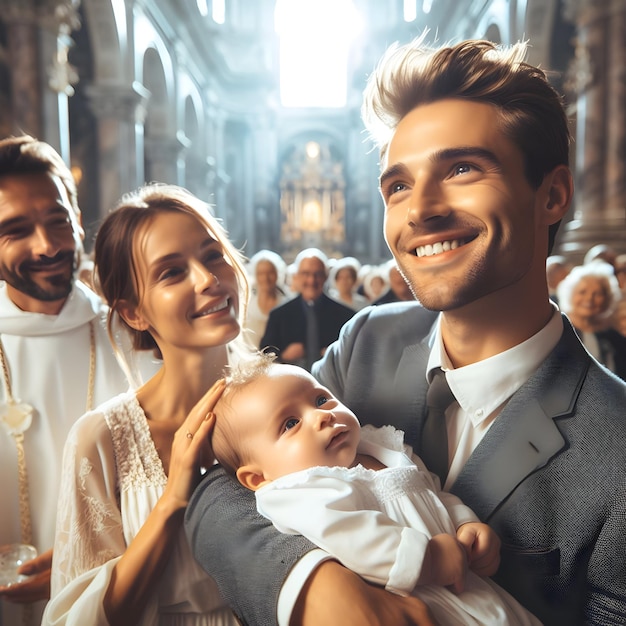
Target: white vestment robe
(48,358)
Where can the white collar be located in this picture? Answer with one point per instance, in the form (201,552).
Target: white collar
(506,372)
(81,306)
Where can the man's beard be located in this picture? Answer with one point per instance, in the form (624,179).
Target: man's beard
(56,287)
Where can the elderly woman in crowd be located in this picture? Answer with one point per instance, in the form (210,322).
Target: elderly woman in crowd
(343,280)
(267,273)
(589,295)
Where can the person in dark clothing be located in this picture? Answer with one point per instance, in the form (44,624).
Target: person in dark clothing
(301,329)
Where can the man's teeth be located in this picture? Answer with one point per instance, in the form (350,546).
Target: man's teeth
(437,248)
(217,307)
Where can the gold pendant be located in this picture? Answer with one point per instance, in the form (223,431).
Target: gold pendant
(16,416)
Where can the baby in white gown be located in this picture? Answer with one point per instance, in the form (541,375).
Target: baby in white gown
(358,493)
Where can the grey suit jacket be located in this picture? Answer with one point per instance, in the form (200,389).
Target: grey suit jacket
(549,476)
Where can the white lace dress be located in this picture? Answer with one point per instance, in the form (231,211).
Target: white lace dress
(112,479)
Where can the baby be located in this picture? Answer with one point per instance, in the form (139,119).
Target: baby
(358,493)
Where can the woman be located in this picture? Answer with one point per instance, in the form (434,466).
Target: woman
(589,295)
(344,277)
(375,284)
(267,271)
(165,267)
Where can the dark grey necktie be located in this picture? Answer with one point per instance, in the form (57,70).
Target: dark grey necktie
(434,434)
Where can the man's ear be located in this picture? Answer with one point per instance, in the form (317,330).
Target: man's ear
(560,189)
(131,315)
(251,477)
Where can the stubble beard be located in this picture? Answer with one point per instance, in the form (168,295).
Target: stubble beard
(54,288)
(450,292)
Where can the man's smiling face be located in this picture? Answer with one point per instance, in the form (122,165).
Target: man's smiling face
(460,215)
(39,239)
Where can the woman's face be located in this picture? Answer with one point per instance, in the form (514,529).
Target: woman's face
(266,276)
(188,291)
(345,280)
(377,286)
(589,297)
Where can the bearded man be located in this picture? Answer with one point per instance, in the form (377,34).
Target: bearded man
(56,357)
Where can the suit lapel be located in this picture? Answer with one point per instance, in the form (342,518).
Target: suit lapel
(515,446)
(524,437)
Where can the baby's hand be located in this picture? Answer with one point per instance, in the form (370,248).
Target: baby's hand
(482,546)
(445,563)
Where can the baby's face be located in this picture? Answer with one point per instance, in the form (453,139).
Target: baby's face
(289,422)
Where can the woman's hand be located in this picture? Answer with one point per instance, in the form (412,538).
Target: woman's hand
(37,587)
(137,573)
(191,447)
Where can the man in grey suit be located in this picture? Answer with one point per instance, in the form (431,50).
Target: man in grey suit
(474,151)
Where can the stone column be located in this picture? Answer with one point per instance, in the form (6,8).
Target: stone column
(120,111)
(265,202)
(38,38)
(218,179)
(62,76)
(24,64)
(199,176)
(364,211)
(598,77)
(162,155)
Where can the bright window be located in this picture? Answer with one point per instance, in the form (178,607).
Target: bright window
(410,10)
(315,39)
(203,7)
(218,11)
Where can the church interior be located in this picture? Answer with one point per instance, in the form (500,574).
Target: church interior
(254,105)
(456,352)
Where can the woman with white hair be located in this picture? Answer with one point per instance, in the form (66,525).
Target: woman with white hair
(344,278)
(589,295)
(375,283)
(267,275)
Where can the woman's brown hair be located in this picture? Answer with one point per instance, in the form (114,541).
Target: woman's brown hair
(115,265)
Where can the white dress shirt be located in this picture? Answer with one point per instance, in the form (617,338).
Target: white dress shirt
(478,404)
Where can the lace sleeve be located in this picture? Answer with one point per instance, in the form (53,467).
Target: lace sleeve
(89,526)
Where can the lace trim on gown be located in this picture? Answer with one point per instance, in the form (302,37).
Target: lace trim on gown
(385,436)
(137,460)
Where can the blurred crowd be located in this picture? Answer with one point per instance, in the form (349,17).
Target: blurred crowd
(592,294)
(345,280)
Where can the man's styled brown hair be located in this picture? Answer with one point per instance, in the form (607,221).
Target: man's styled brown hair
(530,110)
